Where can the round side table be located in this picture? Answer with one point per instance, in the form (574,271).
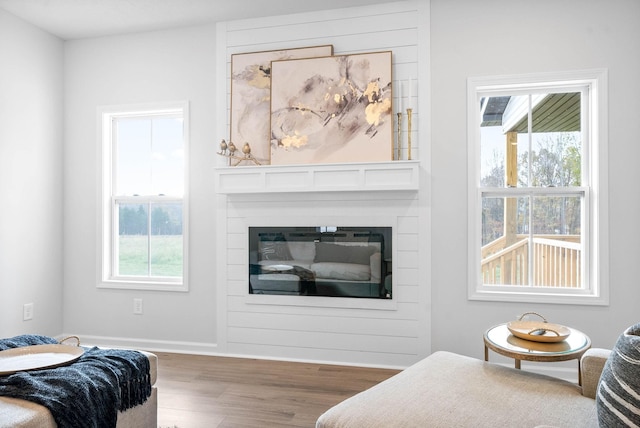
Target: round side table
(500,340)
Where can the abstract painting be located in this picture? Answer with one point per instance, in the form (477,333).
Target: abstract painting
(332,109)
(250,91)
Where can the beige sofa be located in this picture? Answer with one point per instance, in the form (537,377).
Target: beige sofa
(450,390)
(15,413)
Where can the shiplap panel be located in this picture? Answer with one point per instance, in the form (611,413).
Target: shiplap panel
(405,276)
(237,256)
(379,208)
(237,240)
(384,203)
(237,287)
(321,340)
(341,325)
(322,332)
(406,293)
(405,311)
(382,26)
(407,242)
(344,216)
(265,24)
(406,259)
(232,213)
(342,45)
(408,224)
(234,224)
(236,272)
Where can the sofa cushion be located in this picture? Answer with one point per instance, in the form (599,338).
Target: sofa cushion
(342,271)
(618,399)
(275,282)
(302,250)
(448,390)
(274,250)
(357,254)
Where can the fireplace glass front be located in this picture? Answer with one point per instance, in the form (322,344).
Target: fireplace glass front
(321,261)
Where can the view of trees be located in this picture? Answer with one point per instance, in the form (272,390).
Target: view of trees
(555,161)
(166,219)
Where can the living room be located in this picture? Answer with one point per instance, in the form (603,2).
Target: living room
(49,174)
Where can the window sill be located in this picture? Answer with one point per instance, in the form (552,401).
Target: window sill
(539,297)
(142,285)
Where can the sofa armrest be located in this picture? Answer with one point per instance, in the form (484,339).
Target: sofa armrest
(591,365)
(375,264)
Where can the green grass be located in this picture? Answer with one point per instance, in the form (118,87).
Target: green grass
(166,255)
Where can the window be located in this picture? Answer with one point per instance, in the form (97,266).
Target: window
(143,202)
(537,171)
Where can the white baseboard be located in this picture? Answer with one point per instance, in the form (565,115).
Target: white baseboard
(196,348)
(177,347)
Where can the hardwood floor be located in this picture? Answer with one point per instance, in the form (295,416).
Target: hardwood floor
(196,391)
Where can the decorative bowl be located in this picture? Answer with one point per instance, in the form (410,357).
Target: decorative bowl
(538,331)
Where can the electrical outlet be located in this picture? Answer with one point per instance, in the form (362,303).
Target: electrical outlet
(27,311)
(137,306)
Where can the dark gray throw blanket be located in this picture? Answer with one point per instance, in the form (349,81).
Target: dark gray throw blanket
(87,393)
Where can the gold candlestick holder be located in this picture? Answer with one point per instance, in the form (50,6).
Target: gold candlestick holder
(399,136)
(409,112)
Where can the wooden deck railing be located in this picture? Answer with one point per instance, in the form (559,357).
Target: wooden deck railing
(556,261)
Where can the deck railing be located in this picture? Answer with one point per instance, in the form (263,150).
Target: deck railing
(556,261)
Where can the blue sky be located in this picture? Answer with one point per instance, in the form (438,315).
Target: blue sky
(150,158)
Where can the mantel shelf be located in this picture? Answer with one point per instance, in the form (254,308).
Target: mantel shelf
(344,177)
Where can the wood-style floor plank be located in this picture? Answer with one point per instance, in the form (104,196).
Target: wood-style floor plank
(196,391)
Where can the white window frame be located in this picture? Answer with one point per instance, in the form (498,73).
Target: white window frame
(595,159)
(106,201)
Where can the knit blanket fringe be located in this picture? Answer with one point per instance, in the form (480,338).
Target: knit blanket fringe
(87,393)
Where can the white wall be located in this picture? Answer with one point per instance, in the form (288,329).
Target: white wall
(141,68)
(30,178)
(496,37)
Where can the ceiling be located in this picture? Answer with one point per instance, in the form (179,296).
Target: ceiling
(76,19)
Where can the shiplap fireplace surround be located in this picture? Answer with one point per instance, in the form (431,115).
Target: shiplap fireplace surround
(379,332)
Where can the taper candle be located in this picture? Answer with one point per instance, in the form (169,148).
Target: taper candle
(399,138)
(410,101)
(409,114)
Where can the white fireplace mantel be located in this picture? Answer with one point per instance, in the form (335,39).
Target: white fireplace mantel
(347,177)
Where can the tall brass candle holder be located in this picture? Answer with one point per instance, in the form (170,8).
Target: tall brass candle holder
(409,112)
(229,151)
(399,136)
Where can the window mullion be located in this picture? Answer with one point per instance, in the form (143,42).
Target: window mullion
(151,183)
(114,236)
(531,255)
(149,239)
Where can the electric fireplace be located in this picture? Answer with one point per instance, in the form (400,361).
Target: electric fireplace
(321,261)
